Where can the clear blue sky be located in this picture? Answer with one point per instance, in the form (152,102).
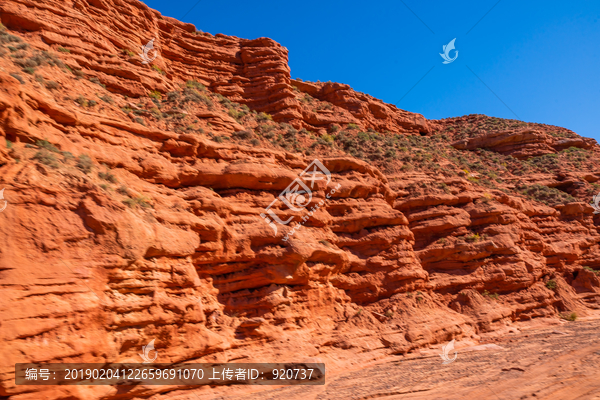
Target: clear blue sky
(541,58)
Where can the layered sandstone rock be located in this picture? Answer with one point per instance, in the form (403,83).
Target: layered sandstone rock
(104,38)
(134,219)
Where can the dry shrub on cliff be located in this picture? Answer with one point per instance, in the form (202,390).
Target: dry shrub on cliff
(107,99)
(238,114)
(47,158)
(192,95)
(18,77)
(224,100)
(6,37)
(547,195)
(576,156)
(95,80)
(551,284)
(266,130)
(195,85)
(547,161)
(140,201)
(245,134)
(158,69)
(107,176)
(493,296)
(44,144)
(264,117)
(84,163)
(82,101)
(569,316)
(155,94)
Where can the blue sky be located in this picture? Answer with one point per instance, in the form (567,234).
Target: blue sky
(535,60)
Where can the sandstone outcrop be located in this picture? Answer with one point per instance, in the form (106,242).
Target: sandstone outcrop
(135,197)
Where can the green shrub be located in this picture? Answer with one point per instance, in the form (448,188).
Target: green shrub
(157,69)
(473,237)
(9,144)
(63,50)
(569,316)
(264,117)
(327,138)
(551,284)
(155,94)
(84,163)
(493,296)
(195,85)
(223,100)
(591,269)
(236,114)
(128,52)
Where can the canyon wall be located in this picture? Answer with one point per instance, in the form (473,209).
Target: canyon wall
(133,217)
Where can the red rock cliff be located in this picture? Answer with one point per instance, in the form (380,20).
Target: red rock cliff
(135,193)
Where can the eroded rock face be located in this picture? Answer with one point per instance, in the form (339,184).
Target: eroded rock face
(362,110)
(121,228)
(252,72)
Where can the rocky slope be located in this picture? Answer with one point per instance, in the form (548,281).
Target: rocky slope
(135,195)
